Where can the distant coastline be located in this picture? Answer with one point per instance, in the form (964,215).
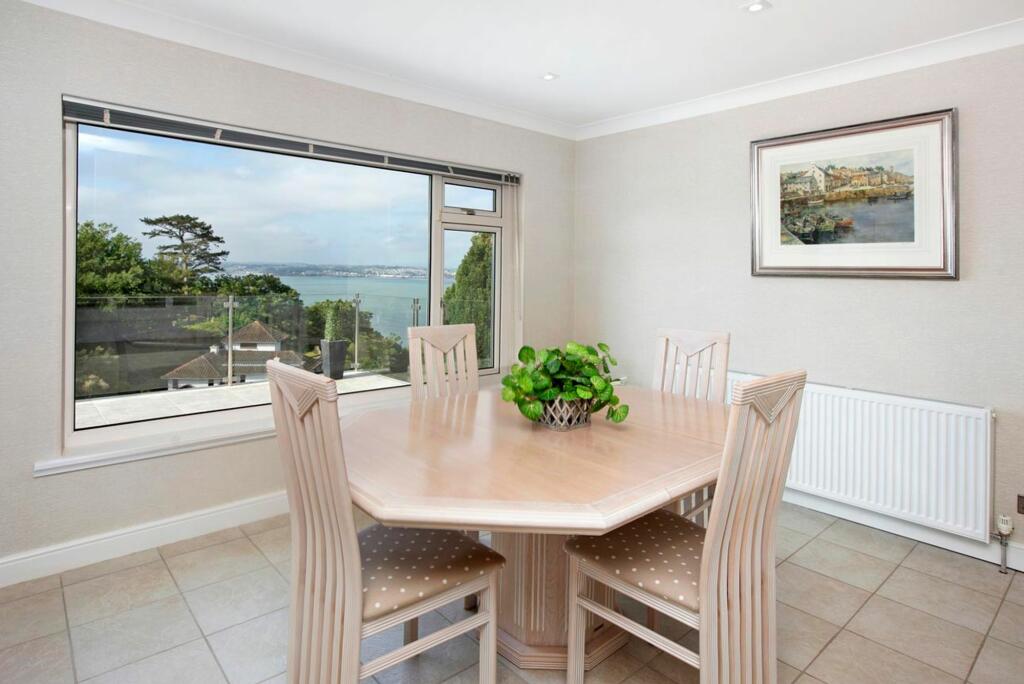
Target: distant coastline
(329,270)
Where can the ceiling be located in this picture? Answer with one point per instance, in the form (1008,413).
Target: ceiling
(621,64)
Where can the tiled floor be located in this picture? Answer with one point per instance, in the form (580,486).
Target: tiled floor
(855,605)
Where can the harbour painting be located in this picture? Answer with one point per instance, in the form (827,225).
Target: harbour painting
(874,199)
(862,199)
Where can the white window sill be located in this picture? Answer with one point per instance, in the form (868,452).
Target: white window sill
(106,446)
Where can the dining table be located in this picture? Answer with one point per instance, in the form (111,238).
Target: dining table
(473,462)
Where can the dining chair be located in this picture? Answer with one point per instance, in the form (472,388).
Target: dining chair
(443,363)
(442,360)
(347,586)
(692,363)
(719,580)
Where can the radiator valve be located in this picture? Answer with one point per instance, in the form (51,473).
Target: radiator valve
(1004,528)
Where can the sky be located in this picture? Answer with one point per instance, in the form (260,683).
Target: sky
(268,207)
(901,160)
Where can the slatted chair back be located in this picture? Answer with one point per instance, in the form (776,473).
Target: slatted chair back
(692,363)
(737,588)
(326,608)
(442,360)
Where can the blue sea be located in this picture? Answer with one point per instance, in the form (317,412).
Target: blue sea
(390,300)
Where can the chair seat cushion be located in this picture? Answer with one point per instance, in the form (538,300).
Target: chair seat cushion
(659,553)
(404,565)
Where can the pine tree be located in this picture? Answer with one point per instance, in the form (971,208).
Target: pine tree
(193,245)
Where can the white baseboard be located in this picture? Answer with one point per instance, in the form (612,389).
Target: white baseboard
(988,552)
(100,547)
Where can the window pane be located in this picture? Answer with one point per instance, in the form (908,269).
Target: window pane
(469,276)
(196,263)
(469,197)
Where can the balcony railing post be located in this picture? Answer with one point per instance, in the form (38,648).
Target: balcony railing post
(355,354)
(415,311)
(230,305)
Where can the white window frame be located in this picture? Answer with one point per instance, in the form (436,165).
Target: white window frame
(463,211)
(126,442)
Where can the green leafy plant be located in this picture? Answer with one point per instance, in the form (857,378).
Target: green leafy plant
(576,372)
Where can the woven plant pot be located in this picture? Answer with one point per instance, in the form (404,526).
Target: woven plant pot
(563,415)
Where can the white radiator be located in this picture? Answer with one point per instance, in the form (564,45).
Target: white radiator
(925,462)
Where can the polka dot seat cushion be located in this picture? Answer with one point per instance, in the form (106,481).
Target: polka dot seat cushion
(659,553)
(403,565)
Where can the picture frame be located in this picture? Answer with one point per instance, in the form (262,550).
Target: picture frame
(872,200)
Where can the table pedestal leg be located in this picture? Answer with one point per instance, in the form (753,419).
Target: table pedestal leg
(533,604)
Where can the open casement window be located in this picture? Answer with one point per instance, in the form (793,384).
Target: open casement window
(194,254)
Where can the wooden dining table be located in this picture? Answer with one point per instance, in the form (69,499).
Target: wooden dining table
(474,463)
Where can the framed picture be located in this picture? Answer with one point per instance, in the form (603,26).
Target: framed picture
(873,200)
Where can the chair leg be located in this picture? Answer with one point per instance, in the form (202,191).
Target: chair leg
(489,633)
(470,602)
(412,630)
(577,625)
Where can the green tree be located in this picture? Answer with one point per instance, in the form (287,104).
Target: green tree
(108,263)
(470,298)
(192,246)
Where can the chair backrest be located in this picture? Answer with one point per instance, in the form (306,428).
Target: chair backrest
(693,363)
(737,588)
(442,360)
(327,599)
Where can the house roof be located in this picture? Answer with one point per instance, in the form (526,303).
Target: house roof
(257,332)
(214,365)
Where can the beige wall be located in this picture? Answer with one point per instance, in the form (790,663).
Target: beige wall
(43,55)
(663,239)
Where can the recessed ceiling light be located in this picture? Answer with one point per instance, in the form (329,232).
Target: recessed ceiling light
(550,76)
(756,6)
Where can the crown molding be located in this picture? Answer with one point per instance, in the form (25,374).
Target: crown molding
(125,15)
(988,39)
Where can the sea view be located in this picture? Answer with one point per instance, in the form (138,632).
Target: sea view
(389,299)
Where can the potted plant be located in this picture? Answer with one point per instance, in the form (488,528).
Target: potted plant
(560,388)
(333,347)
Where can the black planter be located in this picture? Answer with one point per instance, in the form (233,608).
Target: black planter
(332,357)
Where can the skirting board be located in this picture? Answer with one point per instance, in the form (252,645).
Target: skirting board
(987,552)
(49,560)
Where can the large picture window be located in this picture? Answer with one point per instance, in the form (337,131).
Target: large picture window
(196,262)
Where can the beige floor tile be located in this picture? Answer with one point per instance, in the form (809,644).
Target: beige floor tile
(640,650)
(108,566)
(788,542)
(266,524)
(109,643)
(506,675)
(614,669)
(843,564)
(868,540)
(31,617)
(223,604)
(821,596)
(1016,592)
(46,660)
(215,563)
(852,659)
(1009,624)
(283,679)
(803,520)
(808,679)
(953,602)
(192,663)
(917,634)
(363,519)
(957,568)
(786,674)
(646,675)
(998,663)
(117,592)
(196,543)
(276,544)
(254,650)
(801,636)
(434,666)
(14,592)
